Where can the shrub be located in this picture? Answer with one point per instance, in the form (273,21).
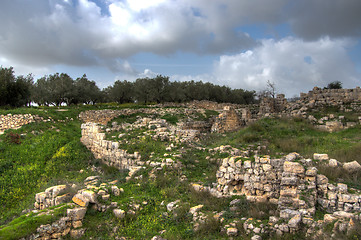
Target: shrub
(13,138)
(210,227)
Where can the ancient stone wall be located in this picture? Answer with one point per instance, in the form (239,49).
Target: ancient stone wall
(346,99)
(292,182)
(201,126)
(211,105)
(94,139)
(227,121)
(99,116)
(332,96)
(15,121)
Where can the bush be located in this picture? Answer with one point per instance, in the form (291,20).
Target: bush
(13,138)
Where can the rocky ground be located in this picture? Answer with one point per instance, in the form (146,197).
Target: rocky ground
(158,174)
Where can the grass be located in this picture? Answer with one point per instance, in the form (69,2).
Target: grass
(43,154)
(27,224)
(47,153)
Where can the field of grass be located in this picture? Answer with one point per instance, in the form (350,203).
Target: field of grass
(43,154)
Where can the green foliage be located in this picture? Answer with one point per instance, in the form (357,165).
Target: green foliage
(27,224)
(334,85)
(172,119)
(210,227)
(14,91)
(48,152)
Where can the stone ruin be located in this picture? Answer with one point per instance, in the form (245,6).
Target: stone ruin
(76,202)
(346,99)
(293,184)
(108,151)
(15,121)
(313,99)
(227,121)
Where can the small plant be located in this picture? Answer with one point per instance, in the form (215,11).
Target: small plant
(210,227)
(13,138)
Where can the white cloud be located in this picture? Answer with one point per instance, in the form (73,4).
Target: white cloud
(107,32)
(292,64)
(138,5)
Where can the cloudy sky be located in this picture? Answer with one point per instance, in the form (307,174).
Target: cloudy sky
(297,44)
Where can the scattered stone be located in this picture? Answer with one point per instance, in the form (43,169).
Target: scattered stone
(320,157)
(232,231)
(77,233)
(352,167)
(195,209)
(119,213)
(172,205)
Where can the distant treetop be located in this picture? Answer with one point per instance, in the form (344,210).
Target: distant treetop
(334,85)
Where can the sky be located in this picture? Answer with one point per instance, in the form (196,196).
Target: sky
(295,44)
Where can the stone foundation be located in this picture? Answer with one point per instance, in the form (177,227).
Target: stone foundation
(292,182)
(94,139)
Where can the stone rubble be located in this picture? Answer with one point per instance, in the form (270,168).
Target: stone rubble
(77,202)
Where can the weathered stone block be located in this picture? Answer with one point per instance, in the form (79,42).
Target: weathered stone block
(76,214)
(321,179)
(293,167)
(320,156)
(352,167)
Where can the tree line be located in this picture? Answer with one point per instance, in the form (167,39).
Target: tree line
(58,89)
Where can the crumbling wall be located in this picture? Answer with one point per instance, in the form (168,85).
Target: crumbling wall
(293,183)
(15,121)
(333,97)
(94,139)
(227,121)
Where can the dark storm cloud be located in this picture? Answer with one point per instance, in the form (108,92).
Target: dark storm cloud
(312,19)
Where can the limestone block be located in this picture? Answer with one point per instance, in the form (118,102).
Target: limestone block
(231,162)
(195,209)
(266,167)
(40,197)
(289,181)
(119,213)
(320,156)
(54,191)
(62,199)
(293,167)
(223,169)
(292,157)
(264,160)
(352,167)
(80,200)
(295,221)
(342,215)
(342,188)
(288,213)
(289,192)
(321,179)
(311,172)
(115,190)
(77,224)
(247,164)
(238,164)
(333,163)
(232,231)
(76,214)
